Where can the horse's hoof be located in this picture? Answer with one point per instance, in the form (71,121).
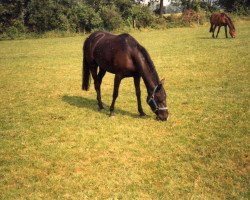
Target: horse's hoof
(111,114)
(142,114)
(100,109)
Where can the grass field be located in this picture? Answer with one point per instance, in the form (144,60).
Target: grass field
(55,144)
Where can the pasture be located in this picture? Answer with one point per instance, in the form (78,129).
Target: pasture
(55,144)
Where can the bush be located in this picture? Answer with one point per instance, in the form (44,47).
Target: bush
(142,16)
(241,9)
(17,30)
(85,18)
(174,20)
(159,23)
(190,15)
(112,20)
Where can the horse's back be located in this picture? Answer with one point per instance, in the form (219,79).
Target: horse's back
(218,19)
(112,52)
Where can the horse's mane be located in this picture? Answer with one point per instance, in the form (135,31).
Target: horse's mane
(135,44)
(230,23)
(148,61)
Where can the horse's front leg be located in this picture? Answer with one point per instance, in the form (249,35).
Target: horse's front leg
(138,94)
(117,82)
(218,31)
(214,30)
(226,31)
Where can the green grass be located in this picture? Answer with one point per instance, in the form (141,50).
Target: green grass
(54,144)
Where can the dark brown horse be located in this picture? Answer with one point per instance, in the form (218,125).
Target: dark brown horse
(123,56)
(222,19)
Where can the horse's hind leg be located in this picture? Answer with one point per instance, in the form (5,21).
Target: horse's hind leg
(117,82)
(214,30)
(97,83)
(138,94)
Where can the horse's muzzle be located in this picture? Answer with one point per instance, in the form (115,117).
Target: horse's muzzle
(162,118)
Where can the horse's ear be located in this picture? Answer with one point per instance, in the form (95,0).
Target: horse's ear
(163,81)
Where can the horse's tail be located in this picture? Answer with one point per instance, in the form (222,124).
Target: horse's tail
(85,69)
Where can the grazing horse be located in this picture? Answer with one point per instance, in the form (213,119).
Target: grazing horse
(221,19)
(123,56)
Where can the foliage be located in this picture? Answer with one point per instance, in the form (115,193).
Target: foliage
(70,15)
(142,15)
(187,4)
(85,18)
(39,16)
(190,15)
(239,6)
(12,16)
(112,19)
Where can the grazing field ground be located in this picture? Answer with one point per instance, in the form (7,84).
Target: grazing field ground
(55,144)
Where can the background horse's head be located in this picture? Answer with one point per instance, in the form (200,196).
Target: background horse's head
(232,32)
(158,104)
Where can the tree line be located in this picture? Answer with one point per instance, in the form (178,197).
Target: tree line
(39,16)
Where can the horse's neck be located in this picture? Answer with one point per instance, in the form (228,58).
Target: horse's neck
(229,22)
(151,80)
(147,69)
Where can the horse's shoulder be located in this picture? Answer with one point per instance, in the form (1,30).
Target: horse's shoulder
(223,14)
(125,36)
(128,38)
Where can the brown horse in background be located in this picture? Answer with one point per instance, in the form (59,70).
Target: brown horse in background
(221,19)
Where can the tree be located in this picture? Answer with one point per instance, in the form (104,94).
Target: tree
(111,18)
(85,18)
(239,6)
(161,7)
(12,15)
(142,16)
(195,4)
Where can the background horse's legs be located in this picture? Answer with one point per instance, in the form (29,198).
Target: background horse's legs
(226,31)
(138,94)
(218,31)
(211,28)
(117,82)
(214,30)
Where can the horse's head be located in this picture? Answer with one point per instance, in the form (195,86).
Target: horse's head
(232,33)
(158,104)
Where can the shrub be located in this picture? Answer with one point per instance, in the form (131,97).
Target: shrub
(85,18)
(173,20)
(159,23)
(190,15)
(142,15)
(112,20)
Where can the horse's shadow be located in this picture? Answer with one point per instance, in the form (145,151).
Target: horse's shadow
(205,38)
(211,38)
(91,104)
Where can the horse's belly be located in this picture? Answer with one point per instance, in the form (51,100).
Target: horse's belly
(125,71)
(120,64)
